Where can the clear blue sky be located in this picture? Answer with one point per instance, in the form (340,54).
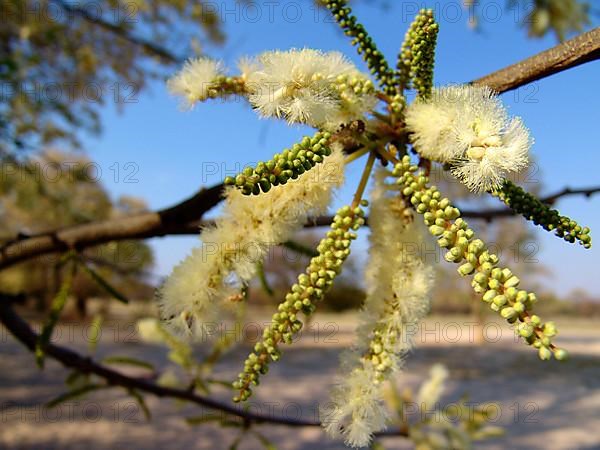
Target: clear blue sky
(175,153)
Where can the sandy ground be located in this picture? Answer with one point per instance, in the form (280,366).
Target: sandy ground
(543,405)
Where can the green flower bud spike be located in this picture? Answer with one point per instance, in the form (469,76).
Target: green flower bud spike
(289,164)
(417,54)
(366,47)
(311,286)
(541,214)
(498,286)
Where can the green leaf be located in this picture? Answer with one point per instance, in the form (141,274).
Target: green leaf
(103,283)
(224,383)
(76,379)
(234,445)
(74,393)
(58,303)
(200,420)
(96,332)
(268,445)
(264,283)
(140,400)
(126,360)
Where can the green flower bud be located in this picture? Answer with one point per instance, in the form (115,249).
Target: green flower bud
(494,284)
(466,269)
(519,307)
(560,354)
(544,353)
(525,330)
(532,298)
(496,274)
(511,293)
(549,329)
(436,230)
(508,312)
(444,243)
(489,296)
(513,281)
(481,278)
(500,300)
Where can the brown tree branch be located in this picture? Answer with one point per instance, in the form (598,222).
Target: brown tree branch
(139,226)
(68,358)
(579,50)
(184,217)
(181,219)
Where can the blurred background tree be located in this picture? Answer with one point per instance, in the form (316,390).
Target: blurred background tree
(55,190)
(540,17)
(60,61)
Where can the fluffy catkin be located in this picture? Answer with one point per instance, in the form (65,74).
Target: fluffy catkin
(398,284)
(198,288)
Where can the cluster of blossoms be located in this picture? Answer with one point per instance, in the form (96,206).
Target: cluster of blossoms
(541,214)
(214,272)
(306,86)
(202,79)
(498,285)
(469,128)
(465,128)
(321,89)
(398,284)
(310,288)
(289,164)
(417,54)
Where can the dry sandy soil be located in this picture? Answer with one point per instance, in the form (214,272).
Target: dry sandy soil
(543,405)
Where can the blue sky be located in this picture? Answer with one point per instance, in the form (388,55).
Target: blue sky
(164,155)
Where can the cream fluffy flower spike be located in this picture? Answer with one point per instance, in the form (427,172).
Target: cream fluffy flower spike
(431,390)
(199,286)
(308,86)
(195,80)
(468,127)
(397,299)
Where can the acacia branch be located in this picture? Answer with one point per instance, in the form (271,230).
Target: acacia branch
(68,358)
(186,216)
(579,50)
(139,226)
(182,219)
